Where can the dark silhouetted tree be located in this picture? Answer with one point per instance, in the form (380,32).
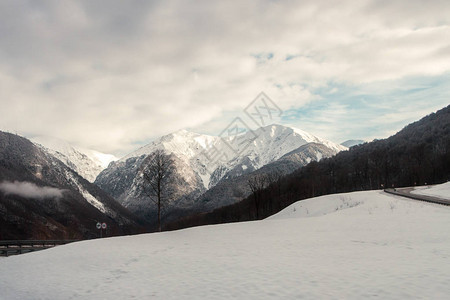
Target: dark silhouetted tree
(157,170)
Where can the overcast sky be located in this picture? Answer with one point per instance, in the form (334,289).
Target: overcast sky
(111,75)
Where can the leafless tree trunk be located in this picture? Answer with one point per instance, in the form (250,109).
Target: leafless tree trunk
(157,169)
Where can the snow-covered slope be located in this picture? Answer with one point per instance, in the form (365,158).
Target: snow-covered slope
(440,190)
(99,158)
(196,164)
(234,186)
(261,147)
(87,163)
(365,245)
(351,143)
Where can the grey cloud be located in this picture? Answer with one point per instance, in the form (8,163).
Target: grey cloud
(29,190)
(109,74)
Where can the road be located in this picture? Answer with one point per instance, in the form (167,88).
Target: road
(24,246)
(406,192)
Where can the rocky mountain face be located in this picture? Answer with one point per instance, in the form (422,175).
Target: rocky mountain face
(42,198)
(203,162)
(185,186)
(87,163)
(235,188)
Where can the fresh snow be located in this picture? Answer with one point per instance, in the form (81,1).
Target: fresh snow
(440,191)
(101,159)
(314,139)
(86,195)
(87,163)
(92,200)
(319,156)
(351,143)
(361,245)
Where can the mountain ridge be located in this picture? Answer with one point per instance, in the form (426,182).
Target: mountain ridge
(351,143)
(41,197)
(241,154)
(86,162)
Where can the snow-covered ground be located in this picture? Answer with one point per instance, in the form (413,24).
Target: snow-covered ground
(441,190)
(346,246)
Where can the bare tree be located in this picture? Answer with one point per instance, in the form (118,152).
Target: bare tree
(157,170)
(257,183)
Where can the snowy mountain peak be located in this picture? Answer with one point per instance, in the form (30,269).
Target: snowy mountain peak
(87,163)
(281,131)
(351,143)
(251,150)
(203,161)
(183,143)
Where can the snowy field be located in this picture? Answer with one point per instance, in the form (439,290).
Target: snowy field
(346,246)
(441,190)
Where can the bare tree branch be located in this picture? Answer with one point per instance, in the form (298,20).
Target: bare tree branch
(156,170)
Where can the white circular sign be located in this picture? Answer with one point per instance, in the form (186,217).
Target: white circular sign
(99,225)
(104,225)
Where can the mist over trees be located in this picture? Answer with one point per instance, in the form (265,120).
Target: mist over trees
(41,198)
(417,155)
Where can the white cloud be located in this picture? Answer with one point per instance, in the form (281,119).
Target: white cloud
(109,74)
(29,190)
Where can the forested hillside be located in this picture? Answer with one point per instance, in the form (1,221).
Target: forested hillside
(42,198)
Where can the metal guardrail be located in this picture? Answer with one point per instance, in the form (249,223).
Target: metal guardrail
(12,247)
(405,192)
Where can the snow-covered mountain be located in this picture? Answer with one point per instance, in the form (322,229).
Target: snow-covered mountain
(351,143)
(203,161)
(87,163)
(41,197)
(251,150)
(232,188)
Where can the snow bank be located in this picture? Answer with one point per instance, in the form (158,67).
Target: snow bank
(440,190)
(348,246)
(362,203)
